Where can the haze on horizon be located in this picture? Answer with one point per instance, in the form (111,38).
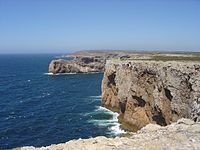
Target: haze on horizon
(62,26)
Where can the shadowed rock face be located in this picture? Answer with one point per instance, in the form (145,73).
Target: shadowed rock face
(146,92)
(78,65)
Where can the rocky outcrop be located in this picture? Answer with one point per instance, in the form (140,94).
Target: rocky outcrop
(185,134)
(146,92)
(86,61)
(78,65)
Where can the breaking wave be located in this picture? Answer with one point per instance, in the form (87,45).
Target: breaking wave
(103,117)
(52,74)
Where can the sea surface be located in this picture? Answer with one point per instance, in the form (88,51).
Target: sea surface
(39,109)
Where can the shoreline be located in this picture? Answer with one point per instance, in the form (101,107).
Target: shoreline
(126,96)
(57,74)
(182,134)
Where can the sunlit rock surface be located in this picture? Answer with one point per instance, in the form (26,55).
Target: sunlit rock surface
(78,65)
(184,135)
(146,92)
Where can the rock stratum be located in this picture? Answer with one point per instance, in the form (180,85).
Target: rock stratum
(184,135)
(155,92)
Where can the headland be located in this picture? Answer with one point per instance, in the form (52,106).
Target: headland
(151,91)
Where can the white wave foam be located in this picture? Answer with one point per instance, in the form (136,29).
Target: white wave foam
(102,122)
(50,73)
(112,124)
(99,96)
(116,128)
(103,109)
(92,99)
(98,109)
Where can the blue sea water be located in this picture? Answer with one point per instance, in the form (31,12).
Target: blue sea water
(39,109)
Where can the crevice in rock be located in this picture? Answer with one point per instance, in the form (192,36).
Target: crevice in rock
(55,65)
(158,117)
(168,94)
(189,86)
(197,67)
(122,107)
(87,60)
(111,79)
(141,102)
(174,112)
(147,72)
(195,119)
(159,89)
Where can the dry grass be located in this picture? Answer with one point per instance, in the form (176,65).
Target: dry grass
(169,58)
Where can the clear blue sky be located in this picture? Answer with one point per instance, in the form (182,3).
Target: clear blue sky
(34,26)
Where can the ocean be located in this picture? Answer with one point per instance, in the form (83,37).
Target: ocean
(39,109)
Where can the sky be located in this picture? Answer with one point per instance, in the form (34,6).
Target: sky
(62,26)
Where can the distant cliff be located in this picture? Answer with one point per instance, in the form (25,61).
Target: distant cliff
(78,65)
(94,61)
(86,61)
(146,92)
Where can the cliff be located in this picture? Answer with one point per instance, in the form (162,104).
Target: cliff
(185,134)
(146,92)
(150,96)
(94,61)
(85,61)
(78,65)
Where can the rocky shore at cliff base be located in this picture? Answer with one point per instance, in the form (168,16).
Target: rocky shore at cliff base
(183,134)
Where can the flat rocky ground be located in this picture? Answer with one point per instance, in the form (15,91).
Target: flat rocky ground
(182,135)
(134,55)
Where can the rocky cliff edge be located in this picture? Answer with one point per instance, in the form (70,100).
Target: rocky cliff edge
(146,92)
(184,135)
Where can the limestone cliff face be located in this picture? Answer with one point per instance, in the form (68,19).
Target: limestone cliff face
(78,65)
(146,92)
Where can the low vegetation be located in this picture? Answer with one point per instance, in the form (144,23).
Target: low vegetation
(168,58)
(128,134)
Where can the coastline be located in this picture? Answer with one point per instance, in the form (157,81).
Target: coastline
(57,74)
(114,75)
(183,134)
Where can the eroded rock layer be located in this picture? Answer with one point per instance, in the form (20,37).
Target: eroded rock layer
(146,92)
